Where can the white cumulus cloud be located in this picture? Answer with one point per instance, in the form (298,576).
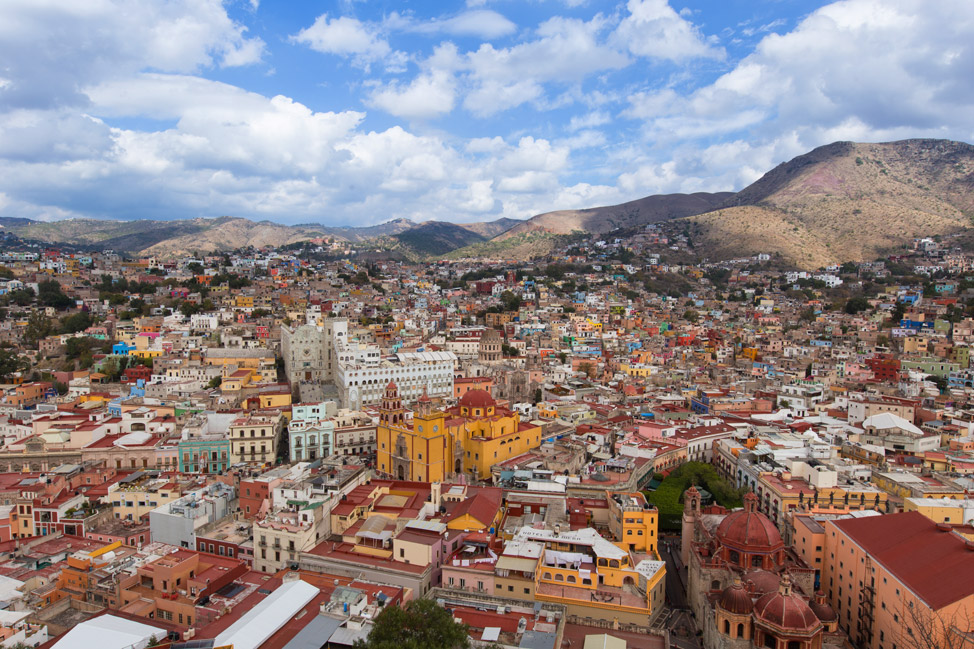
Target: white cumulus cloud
(347,37)
(653,29)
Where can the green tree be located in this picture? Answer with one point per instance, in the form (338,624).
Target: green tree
(81,346)
(189,308)
(76,322)
(897,314)
(510,301)
(669,494)
(857,305)
(11,362)
(360,278)
(111,368)
(195,267)
(50,294)
(691,316)
(38,326)
(114,299)
(22,296)
(420,624)
(215,382)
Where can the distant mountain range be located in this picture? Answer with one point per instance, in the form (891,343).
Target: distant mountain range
(843,201)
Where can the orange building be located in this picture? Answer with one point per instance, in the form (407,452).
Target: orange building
(463,385)
(27,394)
(170,587)
(899,580)
(80,579)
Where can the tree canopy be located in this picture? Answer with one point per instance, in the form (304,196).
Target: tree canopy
(11,362)
(50,294)
(420,624)
(856,305)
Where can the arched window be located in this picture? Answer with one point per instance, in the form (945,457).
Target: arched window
(559,577)
(715,585)
(547,575)
(571,579)
(740,631)
(726,627)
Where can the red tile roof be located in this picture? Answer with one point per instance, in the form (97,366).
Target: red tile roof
(934,564)
(482,506)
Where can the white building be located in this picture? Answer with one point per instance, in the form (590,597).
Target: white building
(363,385)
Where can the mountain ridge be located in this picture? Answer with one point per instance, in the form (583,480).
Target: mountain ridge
(843,201)
(847,201)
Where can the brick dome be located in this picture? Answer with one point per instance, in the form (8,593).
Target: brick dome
(786,610)
(477,399)
(734,599)
(762,581)
(749,530)
(822,610)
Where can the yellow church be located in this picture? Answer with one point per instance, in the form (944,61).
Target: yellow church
(441,445)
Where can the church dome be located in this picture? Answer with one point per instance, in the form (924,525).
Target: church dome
(734,599)
(762,581)
(785,610)
(477,399)
(749,529)
(822,611)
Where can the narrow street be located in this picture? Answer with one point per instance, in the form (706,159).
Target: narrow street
(680,620)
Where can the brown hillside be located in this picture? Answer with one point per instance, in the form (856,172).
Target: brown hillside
(643,211)
(849,202)
(230,234)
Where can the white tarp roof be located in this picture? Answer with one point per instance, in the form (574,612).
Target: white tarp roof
(133,439)
(10,588)
(261,622)
(109,632)
(586,536)
(887,420)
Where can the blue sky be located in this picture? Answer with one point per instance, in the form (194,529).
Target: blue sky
(358,112)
